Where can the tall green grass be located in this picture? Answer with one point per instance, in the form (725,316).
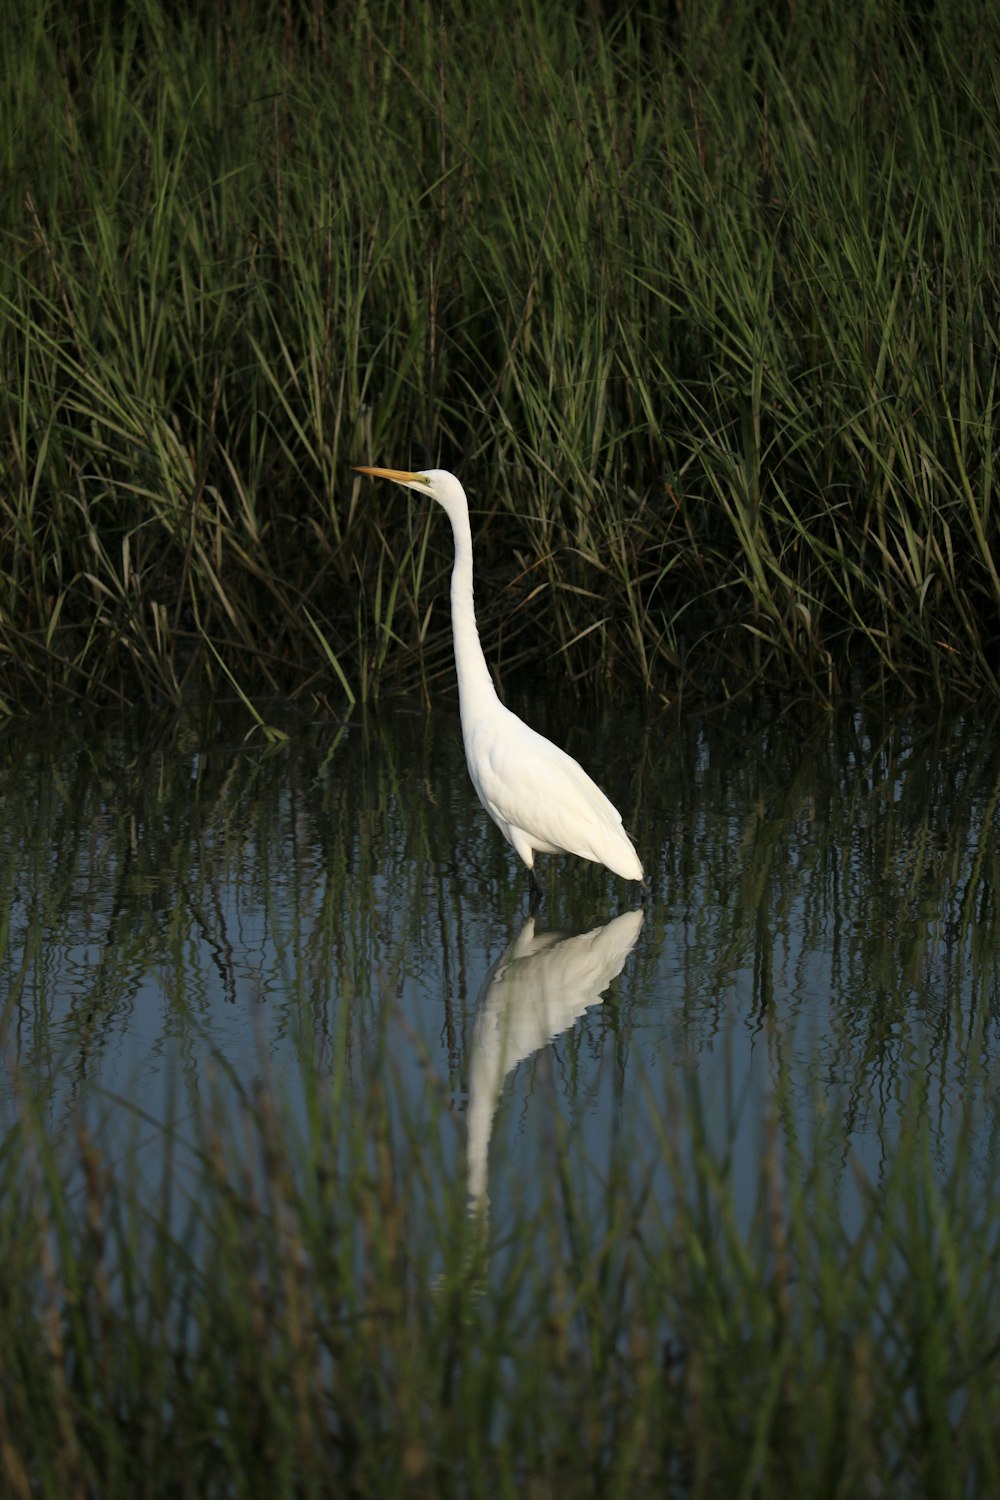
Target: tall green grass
(272,1287)
(294,1303)
(702,308)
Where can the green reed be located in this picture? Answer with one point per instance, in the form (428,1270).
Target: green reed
(699,308)
(273,1286)
(295,1302)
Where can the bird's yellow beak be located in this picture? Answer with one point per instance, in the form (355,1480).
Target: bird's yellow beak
(401,476)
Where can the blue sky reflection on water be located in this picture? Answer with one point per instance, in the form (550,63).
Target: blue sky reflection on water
(819,949)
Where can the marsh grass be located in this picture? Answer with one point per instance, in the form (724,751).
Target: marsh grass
(271,1286)
(703,310)
(294,1302)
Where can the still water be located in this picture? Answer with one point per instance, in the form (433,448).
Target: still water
(181,902)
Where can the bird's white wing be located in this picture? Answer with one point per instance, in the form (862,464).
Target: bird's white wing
(527,783)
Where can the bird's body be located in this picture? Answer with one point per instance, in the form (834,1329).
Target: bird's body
(540,798)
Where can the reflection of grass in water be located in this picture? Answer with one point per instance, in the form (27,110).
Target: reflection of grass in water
(700,304)
(293,1303)
(308,1315)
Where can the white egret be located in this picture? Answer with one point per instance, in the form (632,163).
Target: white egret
(540,798)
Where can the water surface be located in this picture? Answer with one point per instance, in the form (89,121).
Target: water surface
(182,901)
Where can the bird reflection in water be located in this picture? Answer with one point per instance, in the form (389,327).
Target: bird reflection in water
(541,984)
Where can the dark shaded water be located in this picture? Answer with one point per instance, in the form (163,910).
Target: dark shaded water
(821,942)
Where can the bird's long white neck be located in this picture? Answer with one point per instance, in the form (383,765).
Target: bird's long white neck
(476,693)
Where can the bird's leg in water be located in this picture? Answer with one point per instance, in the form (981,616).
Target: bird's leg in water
(535,900)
